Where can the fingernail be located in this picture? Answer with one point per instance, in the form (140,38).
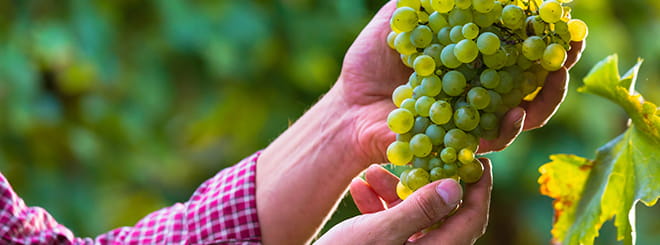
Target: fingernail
(518,123)
(450,192)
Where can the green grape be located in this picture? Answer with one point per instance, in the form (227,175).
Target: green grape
(418,92)
(450,168)
(466,51)
(414,4)
(426,4)
(402,191)
(512,54)
(437,22)
(459,17)
(466,118)
(442,6)
(483,6)
(400,121)
(437,173)
(472,142)
(448,58)
(409,104)
(399,153)
(463,4)
(444,36)
(421,36)
(496,60)
(554,57)
(478,97)
(423,105)
(455,138)
(436,134)
(414,80)
(412,58)
(431,85)
(434,51)
(471,172)
(390,39)
(421,162)
(424,65)
(456,33)
(421,145)
(513,17)
(551,11)
(461,101)
(435,162)
(404,137)
(535,26)
(401,93)
(470,30)
(578,30)
(506,82)
(523,62)
(488,43)
(453,83)
(533,47)
(417,178)
(404,19)
(529,83)
(448,155)
(561,29)
(403,45)
(482,20)
(420,125)
(489,79)
(468,71)
(423,17)
(512,98)
(440,112)
(465,156)
(495,101)
(403,177)
(488,121)
(404,60)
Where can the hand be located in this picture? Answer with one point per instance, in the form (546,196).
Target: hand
(371,71)
(403,221)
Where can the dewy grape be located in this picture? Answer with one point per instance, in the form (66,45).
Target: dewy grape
(473,60)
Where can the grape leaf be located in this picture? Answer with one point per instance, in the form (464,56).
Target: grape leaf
(588,192)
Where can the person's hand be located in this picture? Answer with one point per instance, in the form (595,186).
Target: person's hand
(387,219)
(372,70)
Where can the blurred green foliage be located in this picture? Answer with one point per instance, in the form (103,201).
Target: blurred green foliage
(110,110)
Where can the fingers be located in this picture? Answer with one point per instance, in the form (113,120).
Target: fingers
(547,101)
(383,183)
(365,198)
(510,127)
(470,221)
(574,54)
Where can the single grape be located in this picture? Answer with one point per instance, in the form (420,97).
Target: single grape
(421,36)
(472,142)
(465,156)
(495,101)
(421,123)
(435,162)
(414,80)
(455,138)
(448,155)
(554,57)
(470,30)
(478,97)
(426,4)
(400,121)
(420,145)
(437,22)
(436,134)
(488,121)
(535,26)
(417,178)
(466,51)
(466,118)
(402,191)
(448,58)
(412,58)
(442,6)
(401,93)
(459,17)
(456,33)
(561,29)
(404,19)
(390,39)
(551,11)
(471,172)
(399,153)
(463,4)
(431,85)
(403,45)
(483,6)
(512,53)
(414,4)
(533,48)
(496,60)
(512,98)
(423,17)
(488,43)
(578,30)
(523,62)
(404,137)
(437,173)
(423,105)
(403,177)
(450,168)
(434,50)
(418,92)
(440,112)
(489,79)
(424,65)
(506,82)
(409,105)
(453,83)
(421,162)
(444,36)
(529,83)
(513,17)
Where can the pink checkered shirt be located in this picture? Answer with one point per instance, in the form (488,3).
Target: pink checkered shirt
(223,210)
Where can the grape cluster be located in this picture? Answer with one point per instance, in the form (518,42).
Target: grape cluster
(473,60)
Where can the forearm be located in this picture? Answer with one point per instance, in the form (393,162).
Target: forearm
(304,172)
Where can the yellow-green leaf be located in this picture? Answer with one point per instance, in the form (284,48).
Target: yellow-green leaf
(626,170)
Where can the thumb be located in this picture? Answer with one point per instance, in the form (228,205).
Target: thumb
(427,206)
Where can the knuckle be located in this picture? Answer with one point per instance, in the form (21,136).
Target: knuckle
(431,210)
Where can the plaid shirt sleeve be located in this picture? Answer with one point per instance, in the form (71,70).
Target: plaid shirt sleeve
(223,210)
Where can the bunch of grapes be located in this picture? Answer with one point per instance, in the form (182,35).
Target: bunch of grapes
(473,60)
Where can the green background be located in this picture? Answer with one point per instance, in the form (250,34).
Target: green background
(110,110)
